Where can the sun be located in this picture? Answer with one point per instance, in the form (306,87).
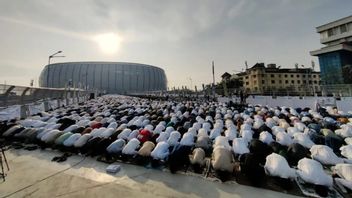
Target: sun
(109,43)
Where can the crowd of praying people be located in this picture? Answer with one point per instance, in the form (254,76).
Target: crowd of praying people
(281,142)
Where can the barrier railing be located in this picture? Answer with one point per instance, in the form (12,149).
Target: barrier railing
(19,95)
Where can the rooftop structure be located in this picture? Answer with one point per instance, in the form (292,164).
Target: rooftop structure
(335,58)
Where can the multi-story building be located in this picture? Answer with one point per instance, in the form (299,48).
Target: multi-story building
(335,58)
(274,80)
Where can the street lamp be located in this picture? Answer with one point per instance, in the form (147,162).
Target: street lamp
(50,57)
(53,56)
(190,79)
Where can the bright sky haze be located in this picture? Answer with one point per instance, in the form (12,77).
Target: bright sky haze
(183,37)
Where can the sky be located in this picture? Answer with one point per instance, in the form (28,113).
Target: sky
(182,37)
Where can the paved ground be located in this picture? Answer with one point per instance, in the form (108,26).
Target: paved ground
(32,174)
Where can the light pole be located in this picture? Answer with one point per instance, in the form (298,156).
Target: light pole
(53,56)
(190,79)
(50,57)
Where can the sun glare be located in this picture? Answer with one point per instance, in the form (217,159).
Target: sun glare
(109,43)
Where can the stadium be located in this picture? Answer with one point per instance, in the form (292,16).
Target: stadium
(107,77)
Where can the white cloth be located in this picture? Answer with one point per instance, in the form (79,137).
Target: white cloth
(133,134)
(82,140)
(348,140)
(174,137)
(107,133)
(222,141)
(158,129)
(72,139)
(300,126)
(162,137)
(292,130)
(97,132)
(215,133)
(198,157)
(270,122)
(187,139)
(266,137)
(71,128)
(344,171)
(346,151)
(231,133)
(312,172)
(193,131)
(303,139)
(258,123)
(124,134)
(284,139)
(83,123)
(169,129)
(131,147)
(112,125)
(161,151)
(277,129)
(116,146)
(345,131)
(247,135)
(52,126)
(206,126)
(202,132)
(325,155)
(276,165)
(246,127)
(240,146)
(49,134)
(346,183)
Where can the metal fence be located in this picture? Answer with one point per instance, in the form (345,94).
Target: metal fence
(19,95)
(338,90)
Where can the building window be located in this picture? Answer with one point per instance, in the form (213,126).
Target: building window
(279,75)
(272,75)
(314,76)
(263,81)
(291,75)
(286,81)
(331,32)
(246,77)
(285,75)
(297,76)
(255,82)
(343,28)
(315,82)
(280,81)
(303,76)
(324,35)
(298,82)
(304,81)
(292,81)
(254,76)
(310,82)
(272,81)
(263,75)
(247,83)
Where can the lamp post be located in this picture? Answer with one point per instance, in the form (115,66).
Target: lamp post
(50,57)
(190,79)
(53,56)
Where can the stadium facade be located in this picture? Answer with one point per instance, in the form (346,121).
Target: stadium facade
(107,77)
